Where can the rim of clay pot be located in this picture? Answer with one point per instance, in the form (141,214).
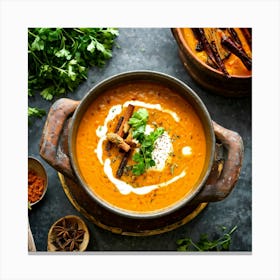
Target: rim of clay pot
(151,76)
(188,49)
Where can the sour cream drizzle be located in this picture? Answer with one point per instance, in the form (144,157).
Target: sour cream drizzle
(101,132)
(125,188)
(162,149)
(152,106)
(186,151)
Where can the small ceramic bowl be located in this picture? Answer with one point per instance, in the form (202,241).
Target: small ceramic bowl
(207,77)
(69,233)
(34,165)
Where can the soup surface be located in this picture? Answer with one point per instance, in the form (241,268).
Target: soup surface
(178,153)
(232,63)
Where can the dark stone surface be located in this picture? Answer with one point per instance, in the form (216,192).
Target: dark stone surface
(154,49)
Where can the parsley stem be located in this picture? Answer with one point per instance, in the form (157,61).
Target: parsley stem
(68,36)
(79,30)
(194,245)
(34,55)
(233,230)
(59,69)
(29,32)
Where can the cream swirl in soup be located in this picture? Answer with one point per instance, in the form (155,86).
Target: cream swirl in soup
(178,153)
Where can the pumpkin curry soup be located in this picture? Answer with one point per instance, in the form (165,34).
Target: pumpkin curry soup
(140,147)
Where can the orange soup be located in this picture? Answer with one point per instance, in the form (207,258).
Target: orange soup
(178,153)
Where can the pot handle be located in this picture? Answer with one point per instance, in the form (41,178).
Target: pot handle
(56,121)
(218,189)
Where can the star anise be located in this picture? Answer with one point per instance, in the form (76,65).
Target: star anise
(73,243)
(62,230)
(68,236)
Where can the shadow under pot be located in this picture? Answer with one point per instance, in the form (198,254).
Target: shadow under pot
(193,160)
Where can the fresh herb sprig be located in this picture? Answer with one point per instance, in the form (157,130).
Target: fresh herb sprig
(143,157)
(204,244)
(36,112)
(138,122)
(59,58)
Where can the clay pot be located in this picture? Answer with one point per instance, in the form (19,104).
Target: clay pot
(207,77)
(57,148)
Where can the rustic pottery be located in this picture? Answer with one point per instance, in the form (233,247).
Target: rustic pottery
(208,77)
(219,178)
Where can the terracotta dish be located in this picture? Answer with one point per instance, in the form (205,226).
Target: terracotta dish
(88,163)
(230,77)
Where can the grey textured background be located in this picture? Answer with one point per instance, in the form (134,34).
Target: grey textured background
(154,49)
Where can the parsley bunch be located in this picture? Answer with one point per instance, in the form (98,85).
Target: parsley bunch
(204,244)
(143,157)
(59,58)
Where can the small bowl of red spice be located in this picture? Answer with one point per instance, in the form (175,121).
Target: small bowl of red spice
(37,181)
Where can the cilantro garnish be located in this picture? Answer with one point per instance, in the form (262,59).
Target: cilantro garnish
(138,123)
(143,157)
(205,244)
(36,112)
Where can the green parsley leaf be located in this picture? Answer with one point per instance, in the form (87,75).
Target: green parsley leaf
(48,93)
(143,158)
(205,244)
(139,118)
(36,112)
(37,44)
(63,53)
(139,168)
(138,123)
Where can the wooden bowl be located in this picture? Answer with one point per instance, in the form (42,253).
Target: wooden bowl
(36,166)
(72,223)
(207,77)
